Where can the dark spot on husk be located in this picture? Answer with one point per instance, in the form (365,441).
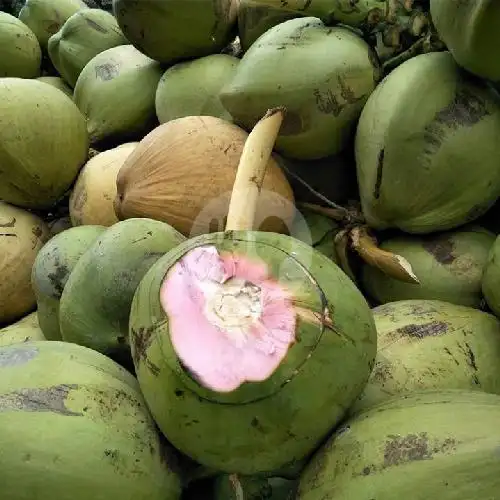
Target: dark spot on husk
(255,423)
(141,340)
(447,351)
(366,471)
(17,355)
(37,231)
(179,393)
(432,329)
(46,399)
(292,124)
(106,71)
(58,278)
(11,223)
(96,26)
(380,168)
(441,249)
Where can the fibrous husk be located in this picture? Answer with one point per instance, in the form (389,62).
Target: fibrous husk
(449,267)
(435,444)
(291,65)
(93,195)
(45,17)
(22,235)
(38,162)
(192,88)
(58,83)
(56,396)
(183,172)
(427,147)
(84,35)
(470,31)
(430,345)
(20,53)
(116,92)
(51,270)
(173,30)
(23,330)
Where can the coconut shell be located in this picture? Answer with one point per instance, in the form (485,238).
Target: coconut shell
(91,201)
(183,172)
(22,235)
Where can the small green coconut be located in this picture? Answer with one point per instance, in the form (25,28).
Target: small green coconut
(20,53)
(192,88)
(45,17)
(116,92)
(84,35)
(44,142)
(58,83)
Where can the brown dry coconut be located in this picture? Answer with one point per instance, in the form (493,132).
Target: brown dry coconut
(183,172)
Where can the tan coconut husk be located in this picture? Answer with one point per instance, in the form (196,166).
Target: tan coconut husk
(183,173)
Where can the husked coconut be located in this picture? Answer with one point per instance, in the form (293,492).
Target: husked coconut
(183,171)
(91,201)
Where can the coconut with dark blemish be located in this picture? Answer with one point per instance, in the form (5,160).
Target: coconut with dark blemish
(431,345)
(436,444)
(74,426)
(449,267)
(427,147)
(249,346)
(51,270)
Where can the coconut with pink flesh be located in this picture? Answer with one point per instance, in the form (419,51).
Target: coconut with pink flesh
(249,346)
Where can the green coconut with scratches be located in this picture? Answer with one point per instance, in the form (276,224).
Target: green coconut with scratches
(51,269)
(84,424)
(272,421)
(427,160)
(435,444)
(432,345)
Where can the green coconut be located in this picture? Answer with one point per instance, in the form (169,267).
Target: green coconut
(192,88)
(22,235)
(38,162)
(291,65)
(255,18)
(438,444)
(172,30)
(432,345)
(116,92)
(24,330)
(274,414)
(95,303)
(20,53)
(491,278)
(427,158)
(470,32)
(316,230)
(85,34)
(448,265)
(45,17)
(74,426)
(58,83)
(51,271)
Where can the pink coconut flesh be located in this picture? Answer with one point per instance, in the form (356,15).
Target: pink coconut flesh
(229,321)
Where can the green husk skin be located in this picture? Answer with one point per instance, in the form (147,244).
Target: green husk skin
(79,418)
(437,444)
(116,92)
(25,329)
(291,65)
(268,424)
(45,17)
(95,303)
(58,83)
(173,30)
(470,31)
(192,88)
(432,345)
(83,36)
(51,271)
(20,53)
(491,278)
(449,267)
(40,156)
(410,145)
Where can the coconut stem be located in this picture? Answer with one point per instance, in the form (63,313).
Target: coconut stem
(252,169)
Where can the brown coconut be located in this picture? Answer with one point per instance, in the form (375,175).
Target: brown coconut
(22,235)
(91,201)
(183,172)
